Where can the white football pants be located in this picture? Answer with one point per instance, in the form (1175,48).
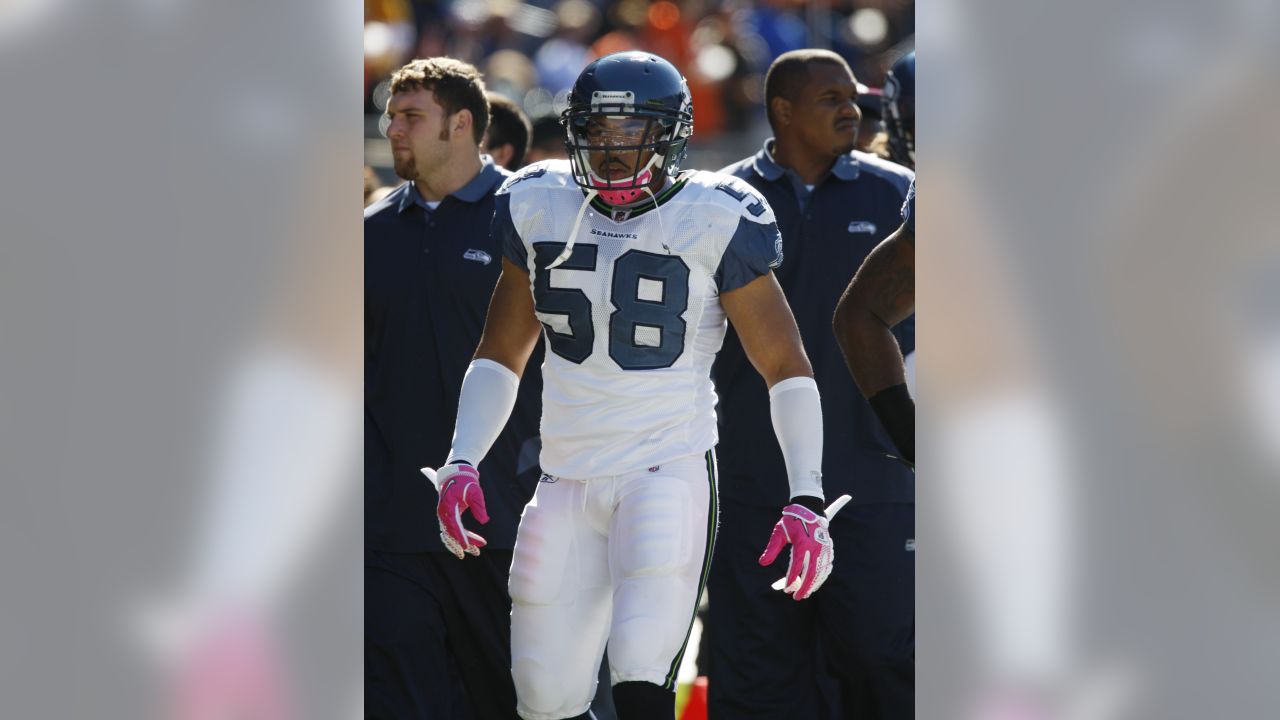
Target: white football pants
(619,559)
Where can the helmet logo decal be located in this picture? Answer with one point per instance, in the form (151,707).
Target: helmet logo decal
(623,100)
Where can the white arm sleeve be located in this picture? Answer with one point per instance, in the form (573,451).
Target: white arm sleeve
(796,409)
(487,397)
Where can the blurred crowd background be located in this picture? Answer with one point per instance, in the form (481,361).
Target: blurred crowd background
(531,52)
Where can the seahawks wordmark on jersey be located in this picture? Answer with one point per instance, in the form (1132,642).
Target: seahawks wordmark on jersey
(632,318)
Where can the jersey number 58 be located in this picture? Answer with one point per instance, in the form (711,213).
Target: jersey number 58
(641,313)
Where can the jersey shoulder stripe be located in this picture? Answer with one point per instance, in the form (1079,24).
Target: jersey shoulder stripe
(518,205)
(542,175)
(729,194)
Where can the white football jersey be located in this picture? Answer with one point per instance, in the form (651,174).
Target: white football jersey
(632,318)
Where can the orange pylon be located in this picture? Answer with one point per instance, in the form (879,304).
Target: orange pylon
(696,707)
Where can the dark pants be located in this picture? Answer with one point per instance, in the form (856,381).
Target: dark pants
(766,650)
(438,636)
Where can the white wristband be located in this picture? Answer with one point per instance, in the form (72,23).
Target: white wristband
(484,404)
(796,410)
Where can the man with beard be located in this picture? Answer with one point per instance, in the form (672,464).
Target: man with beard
(834,205)
(436,630)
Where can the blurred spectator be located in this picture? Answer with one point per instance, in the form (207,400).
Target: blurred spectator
(510,73)
(871,135)
(388,38)
(548,140)
(371,183)
(507,139)
(374,190)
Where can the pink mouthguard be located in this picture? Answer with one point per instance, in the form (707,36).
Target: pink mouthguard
(616,194)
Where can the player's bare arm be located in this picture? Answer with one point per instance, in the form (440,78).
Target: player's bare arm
(511,328)
(881,295)
(763,320)
(761,316)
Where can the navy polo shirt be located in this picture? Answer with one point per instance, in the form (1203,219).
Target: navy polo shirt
(826,234)
(428,278)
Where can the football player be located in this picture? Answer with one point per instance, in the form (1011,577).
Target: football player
(629,268)
(881,295)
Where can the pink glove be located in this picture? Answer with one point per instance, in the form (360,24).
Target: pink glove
(459,489)
(812,552)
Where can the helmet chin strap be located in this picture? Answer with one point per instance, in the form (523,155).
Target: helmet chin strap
(586,202)
(573,233)
(662,231)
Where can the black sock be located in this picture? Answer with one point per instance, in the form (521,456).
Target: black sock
(644,701)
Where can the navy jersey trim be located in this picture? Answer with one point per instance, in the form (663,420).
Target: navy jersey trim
(753,251)
(503,230)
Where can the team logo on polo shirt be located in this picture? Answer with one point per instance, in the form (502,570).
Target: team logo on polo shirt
(479,256)
(862,226)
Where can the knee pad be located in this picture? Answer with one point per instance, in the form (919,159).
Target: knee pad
(642,648)
(537,687)
(547,692)
(540,558)
(654,530)
(652,616)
